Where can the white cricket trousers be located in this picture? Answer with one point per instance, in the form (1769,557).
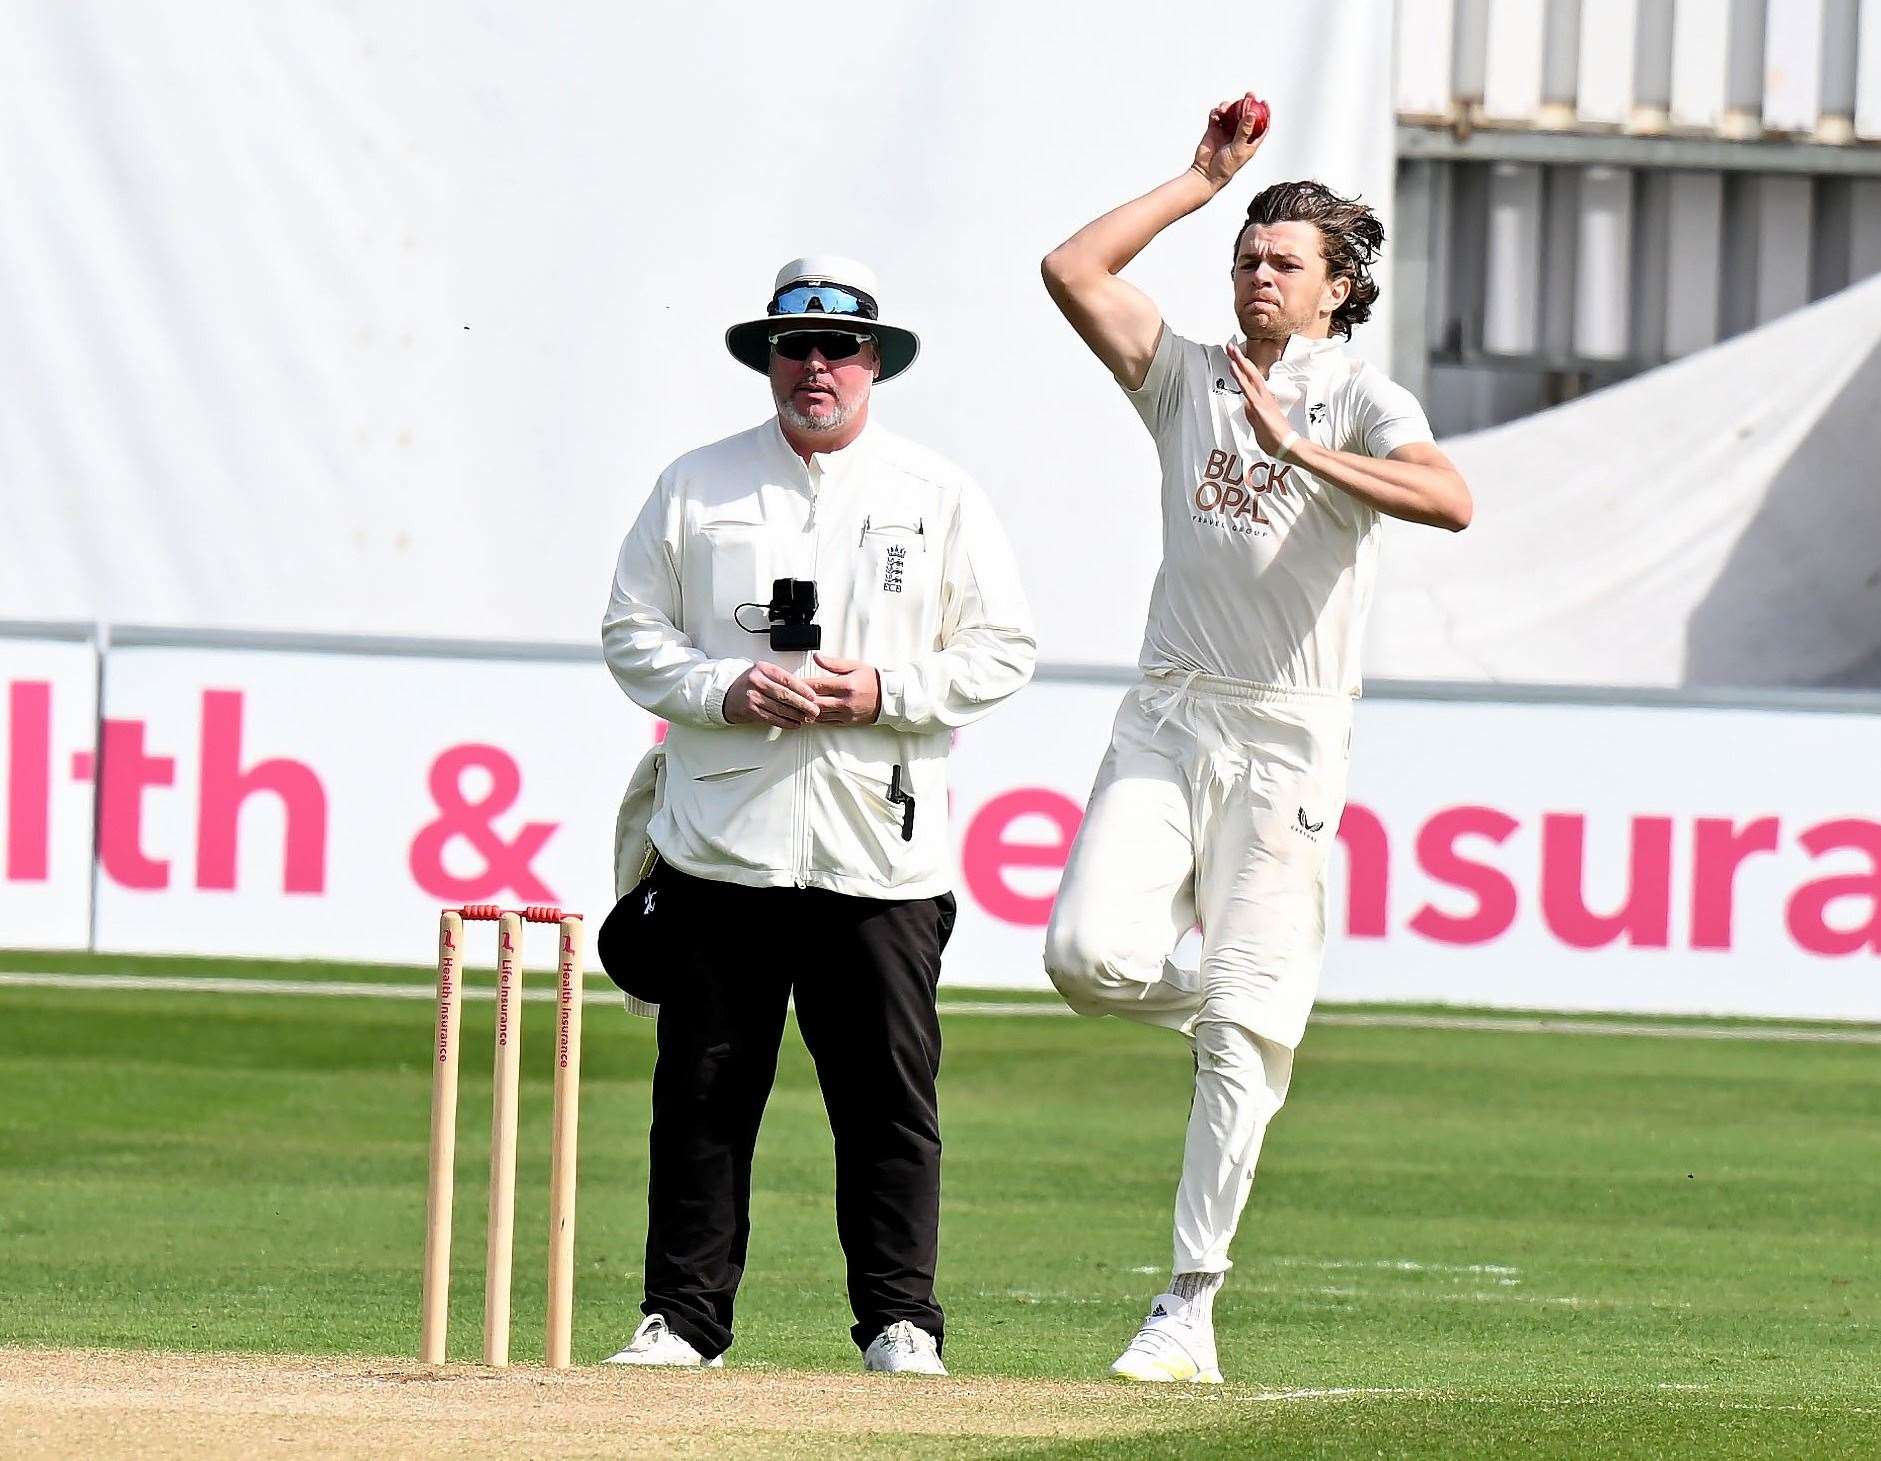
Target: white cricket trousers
(1217,803)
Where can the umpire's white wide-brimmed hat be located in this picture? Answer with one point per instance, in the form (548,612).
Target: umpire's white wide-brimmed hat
(823,292)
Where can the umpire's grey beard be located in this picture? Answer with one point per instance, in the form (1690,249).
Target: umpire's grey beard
(815,425)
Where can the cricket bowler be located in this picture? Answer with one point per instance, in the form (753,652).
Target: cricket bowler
(1221,793)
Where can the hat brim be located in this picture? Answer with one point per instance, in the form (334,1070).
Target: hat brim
(750,342)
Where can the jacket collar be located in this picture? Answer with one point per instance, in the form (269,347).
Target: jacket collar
(829,466)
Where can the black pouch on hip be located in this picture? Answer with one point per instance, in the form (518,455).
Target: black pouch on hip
(633,941)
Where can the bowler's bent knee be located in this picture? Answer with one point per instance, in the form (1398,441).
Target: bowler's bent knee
(1094,973)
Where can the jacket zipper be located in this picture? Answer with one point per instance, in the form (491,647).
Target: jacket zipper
(801,873)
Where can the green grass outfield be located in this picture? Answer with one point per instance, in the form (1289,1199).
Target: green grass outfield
(1518,1243)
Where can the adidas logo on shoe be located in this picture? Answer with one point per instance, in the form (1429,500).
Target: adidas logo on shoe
(1176,1343)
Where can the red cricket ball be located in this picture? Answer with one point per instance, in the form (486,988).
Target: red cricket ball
(1231,116)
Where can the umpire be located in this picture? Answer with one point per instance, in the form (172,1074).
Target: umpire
(814,606)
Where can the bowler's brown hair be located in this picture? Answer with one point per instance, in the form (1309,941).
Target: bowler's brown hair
(1350,237)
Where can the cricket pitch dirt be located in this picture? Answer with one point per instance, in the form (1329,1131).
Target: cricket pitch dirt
(67,1403)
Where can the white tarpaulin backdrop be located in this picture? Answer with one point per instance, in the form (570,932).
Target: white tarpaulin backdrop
(1715,522)
(384,318)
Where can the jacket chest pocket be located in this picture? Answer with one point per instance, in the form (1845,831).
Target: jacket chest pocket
(894,596)
(728,564)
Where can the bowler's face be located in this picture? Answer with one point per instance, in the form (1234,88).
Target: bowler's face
(820,394)
(1280,283)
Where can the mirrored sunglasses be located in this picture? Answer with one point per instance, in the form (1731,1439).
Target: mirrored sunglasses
(823,299)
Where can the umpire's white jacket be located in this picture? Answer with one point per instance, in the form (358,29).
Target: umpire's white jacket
(913,575)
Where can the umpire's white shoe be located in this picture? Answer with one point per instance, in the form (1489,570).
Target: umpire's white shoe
(1176,1342)
(902,1349)
(654,1344)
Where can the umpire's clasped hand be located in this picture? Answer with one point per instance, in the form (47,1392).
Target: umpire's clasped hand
(771,694)
(846,692)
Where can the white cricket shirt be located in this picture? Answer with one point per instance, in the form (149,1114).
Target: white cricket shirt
(1267,571)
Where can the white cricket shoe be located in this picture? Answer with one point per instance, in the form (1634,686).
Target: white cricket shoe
(903,1349)
(654,1344)
(1176,1342)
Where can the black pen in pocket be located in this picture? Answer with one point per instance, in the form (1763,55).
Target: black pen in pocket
(905,800)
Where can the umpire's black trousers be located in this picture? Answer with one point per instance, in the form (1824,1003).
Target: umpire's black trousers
(863,972)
